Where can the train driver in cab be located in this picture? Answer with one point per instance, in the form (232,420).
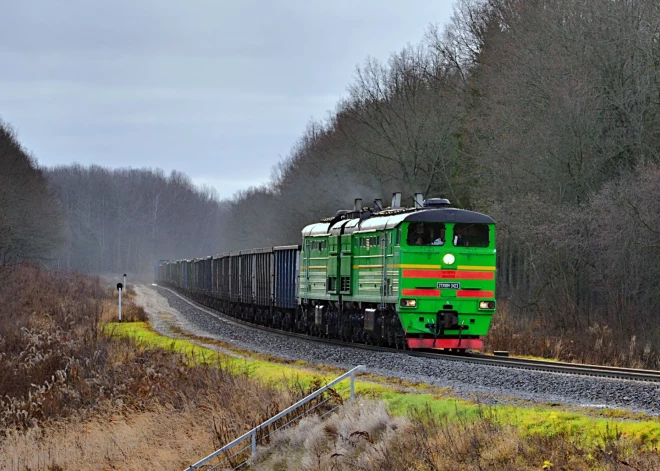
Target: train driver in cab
(440,240)
(416,234)
(460,238)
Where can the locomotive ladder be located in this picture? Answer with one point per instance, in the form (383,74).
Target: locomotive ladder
(252,434)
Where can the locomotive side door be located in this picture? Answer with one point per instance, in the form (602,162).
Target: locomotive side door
(345,263)
(304,283)
(334,253)
(385,247)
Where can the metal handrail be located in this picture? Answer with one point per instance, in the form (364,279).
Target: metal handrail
(252,434)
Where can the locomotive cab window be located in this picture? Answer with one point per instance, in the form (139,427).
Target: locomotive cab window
(426,233)
(471,235)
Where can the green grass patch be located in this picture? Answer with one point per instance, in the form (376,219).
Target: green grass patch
(266,371)
(540,421)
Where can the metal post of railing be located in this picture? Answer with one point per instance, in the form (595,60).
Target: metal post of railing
(352,386)
(254,442)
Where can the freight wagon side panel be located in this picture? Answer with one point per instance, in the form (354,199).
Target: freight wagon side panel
(215,264)
(217,270)
(225,277)
(194,283)
(208,274)
(235,279)
(184,273)
(159,268)
(286,261)
(263,278)
(247,271)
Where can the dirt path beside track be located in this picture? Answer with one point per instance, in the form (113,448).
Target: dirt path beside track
(162,316)
(168,321)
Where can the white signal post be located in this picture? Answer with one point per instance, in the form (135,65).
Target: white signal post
(119,288)
(125,285)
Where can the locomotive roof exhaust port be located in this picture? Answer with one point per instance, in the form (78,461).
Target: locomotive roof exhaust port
(396,200)
(419,200)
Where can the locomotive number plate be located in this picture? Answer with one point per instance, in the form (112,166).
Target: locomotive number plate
(442,285)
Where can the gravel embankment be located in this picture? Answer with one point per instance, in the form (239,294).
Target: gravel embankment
(490,384)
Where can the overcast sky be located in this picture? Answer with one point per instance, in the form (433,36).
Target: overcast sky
(218,89)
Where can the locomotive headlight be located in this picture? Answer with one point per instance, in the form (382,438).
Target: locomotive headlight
(409,303)
(486,304)
(449,259)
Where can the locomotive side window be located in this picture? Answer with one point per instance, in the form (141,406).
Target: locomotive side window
(471,235)
(426,233)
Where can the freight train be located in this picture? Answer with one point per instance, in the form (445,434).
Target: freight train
(420,277)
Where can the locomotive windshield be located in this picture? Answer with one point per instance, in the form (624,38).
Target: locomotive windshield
(471,235)
(426,233)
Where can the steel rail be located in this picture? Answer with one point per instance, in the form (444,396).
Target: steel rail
(552,366)
(479,358)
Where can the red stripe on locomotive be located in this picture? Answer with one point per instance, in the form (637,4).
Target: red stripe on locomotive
(469,293)
(420,292)
(450,274)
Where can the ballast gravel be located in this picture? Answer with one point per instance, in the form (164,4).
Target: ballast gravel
(488,384)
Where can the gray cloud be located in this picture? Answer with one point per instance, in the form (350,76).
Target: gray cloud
(219,90)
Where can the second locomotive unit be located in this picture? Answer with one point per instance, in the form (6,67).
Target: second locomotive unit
(419,278)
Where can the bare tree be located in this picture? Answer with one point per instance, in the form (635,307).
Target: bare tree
(405,124)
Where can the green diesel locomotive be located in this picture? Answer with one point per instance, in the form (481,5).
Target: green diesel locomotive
(420,277)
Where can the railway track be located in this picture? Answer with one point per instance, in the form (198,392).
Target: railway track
(507,362)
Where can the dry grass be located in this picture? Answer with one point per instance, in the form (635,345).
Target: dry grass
(130,311)
(122,441)
(435,443)
(364,436)
(597,344)
(348,439)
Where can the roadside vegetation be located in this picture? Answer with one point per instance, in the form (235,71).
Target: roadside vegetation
(74,396)
(80,391)
(366,436)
